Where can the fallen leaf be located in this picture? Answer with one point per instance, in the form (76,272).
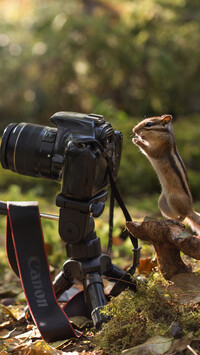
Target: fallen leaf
(33,333)
(21,297)
(10,344)
(146,265)
(117,241)
(181,344)
(40,347)
(4,333)
(59,343)
(15,312)
(5,324)
(186,287)
(80,321)
(9,291)
(157,345)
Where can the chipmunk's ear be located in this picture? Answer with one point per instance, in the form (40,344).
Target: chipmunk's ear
(166,118)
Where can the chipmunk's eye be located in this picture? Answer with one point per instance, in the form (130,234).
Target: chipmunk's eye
(149,124)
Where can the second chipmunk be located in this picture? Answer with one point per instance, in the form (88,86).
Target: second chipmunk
(155,138)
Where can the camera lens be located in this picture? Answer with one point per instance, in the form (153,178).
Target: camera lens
(28,148)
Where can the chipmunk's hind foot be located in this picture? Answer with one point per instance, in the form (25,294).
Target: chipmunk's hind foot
(193,220)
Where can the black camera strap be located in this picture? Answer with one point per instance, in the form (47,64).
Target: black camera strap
(27,257)
(121,204)
(121,284)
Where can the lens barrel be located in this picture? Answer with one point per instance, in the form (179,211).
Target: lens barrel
(73,150)
(28,149)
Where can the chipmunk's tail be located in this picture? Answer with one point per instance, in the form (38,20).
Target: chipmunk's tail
(193,219)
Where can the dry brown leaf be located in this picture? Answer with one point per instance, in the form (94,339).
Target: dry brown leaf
(7,290)
(146,265)
(181,344)
(33,333)
(5,324)
(39,347)
(156,345)
(117,241)
(5,333)
(186,287)
(10,344)
(15,312)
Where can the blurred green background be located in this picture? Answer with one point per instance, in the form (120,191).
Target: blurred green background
(124,59)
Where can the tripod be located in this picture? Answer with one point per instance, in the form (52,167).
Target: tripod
(86,262)
(84,151)
(83,247)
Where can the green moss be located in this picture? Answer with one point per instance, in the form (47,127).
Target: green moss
(148,312)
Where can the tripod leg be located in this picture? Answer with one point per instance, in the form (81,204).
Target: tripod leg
(61,283)
(121,278)
(93,287)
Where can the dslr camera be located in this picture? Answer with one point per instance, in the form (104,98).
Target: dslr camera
(74,152)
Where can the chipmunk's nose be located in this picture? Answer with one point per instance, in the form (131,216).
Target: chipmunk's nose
(135,130)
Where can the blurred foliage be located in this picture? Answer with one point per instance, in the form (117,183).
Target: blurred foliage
(119,58)
(142,57)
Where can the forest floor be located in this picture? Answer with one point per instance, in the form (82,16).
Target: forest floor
(19,335)
(140,324)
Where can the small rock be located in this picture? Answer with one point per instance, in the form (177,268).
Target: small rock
(8,301)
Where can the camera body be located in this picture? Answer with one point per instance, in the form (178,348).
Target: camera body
(76,151)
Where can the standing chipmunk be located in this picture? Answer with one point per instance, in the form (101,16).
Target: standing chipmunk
(155,138)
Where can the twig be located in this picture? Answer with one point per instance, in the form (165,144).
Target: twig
(192,350)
